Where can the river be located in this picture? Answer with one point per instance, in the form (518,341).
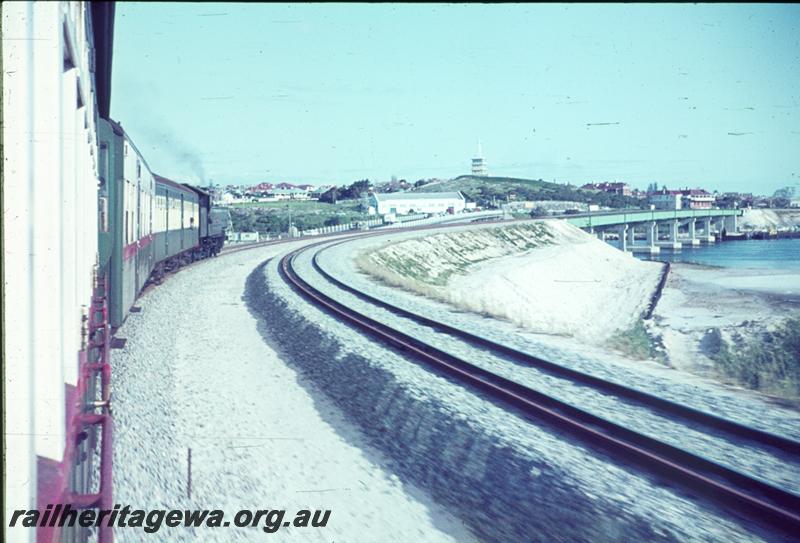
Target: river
(760,254)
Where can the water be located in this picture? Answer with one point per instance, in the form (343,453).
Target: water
(760,254)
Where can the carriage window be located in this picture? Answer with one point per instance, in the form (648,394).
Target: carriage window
(102,210)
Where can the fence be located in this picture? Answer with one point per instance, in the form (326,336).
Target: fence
(404,222)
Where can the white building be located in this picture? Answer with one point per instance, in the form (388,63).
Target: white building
(667,199)
(682,199)
(402,203)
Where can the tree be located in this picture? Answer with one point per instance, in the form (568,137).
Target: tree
(538,211)
(355,190)
(330,196)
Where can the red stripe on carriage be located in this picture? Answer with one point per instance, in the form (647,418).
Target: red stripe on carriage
(130,250)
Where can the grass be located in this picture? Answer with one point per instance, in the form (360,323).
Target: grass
(273,217)
(485,190)
(438,257)
(635,342)
(302,206)
(769,363)
(469,184)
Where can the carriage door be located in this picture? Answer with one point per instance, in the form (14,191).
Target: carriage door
(167,205)
(182,223)
(138,229)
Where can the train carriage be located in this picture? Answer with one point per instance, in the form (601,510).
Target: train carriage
(178,235)
(151,224)
(56,85)
(126,226)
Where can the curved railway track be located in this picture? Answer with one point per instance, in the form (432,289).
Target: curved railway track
(727,487)
(694,416)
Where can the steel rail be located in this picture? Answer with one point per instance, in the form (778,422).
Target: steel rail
(727,487)
(696,416)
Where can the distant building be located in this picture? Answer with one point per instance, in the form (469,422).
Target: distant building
(682,199)
(402,203)
(479,164)
(622,189)
(293,193)
(697,199)
(666,199)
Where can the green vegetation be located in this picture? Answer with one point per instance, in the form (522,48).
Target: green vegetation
(273,217)
(433,259)
(484,190)
(635,342)
(769,363)
(339,205)
(353,192)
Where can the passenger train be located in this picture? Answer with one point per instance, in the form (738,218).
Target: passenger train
(148,224)
(86,225)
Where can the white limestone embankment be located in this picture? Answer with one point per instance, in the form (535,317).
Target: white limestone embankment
(547,277)
(765,219)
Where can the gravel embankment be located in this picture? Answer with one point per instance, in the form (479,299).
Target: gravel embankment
(196,373)
(770,465)
(701,393)
(508,479)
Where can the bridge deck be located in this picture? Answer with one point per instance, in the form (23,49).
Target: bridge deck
(588,220)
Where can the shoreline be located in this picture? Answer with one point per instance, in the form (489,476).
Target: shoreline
(706,312)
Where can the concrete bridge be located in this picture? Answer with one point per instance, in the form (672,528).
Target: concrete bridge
(650,231)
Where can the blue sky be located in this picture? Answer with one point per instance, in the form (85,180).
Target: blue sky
(704,95)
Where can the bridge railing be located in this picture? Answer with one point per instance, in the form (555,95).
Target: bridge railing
(589,220)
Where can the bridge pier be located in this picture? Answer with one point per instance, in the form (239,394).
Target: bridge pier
(652,237)
(650,246)
(623,237)
(672,237)
(693,239)
(707,236)
(730,223)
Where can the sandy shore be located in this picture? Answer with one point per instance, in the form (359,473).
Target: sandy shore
(698,299)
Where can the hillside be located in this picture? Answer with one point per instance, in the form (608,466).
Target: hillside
(483,189)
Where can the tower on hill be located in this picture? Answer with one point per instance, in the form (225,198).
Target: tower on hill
(479,164)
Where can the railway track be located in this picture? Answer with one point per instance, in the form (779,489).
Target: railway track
(694,416)
(729,488)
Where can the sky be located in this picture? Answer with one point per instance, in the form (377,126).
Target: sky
(681,95)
